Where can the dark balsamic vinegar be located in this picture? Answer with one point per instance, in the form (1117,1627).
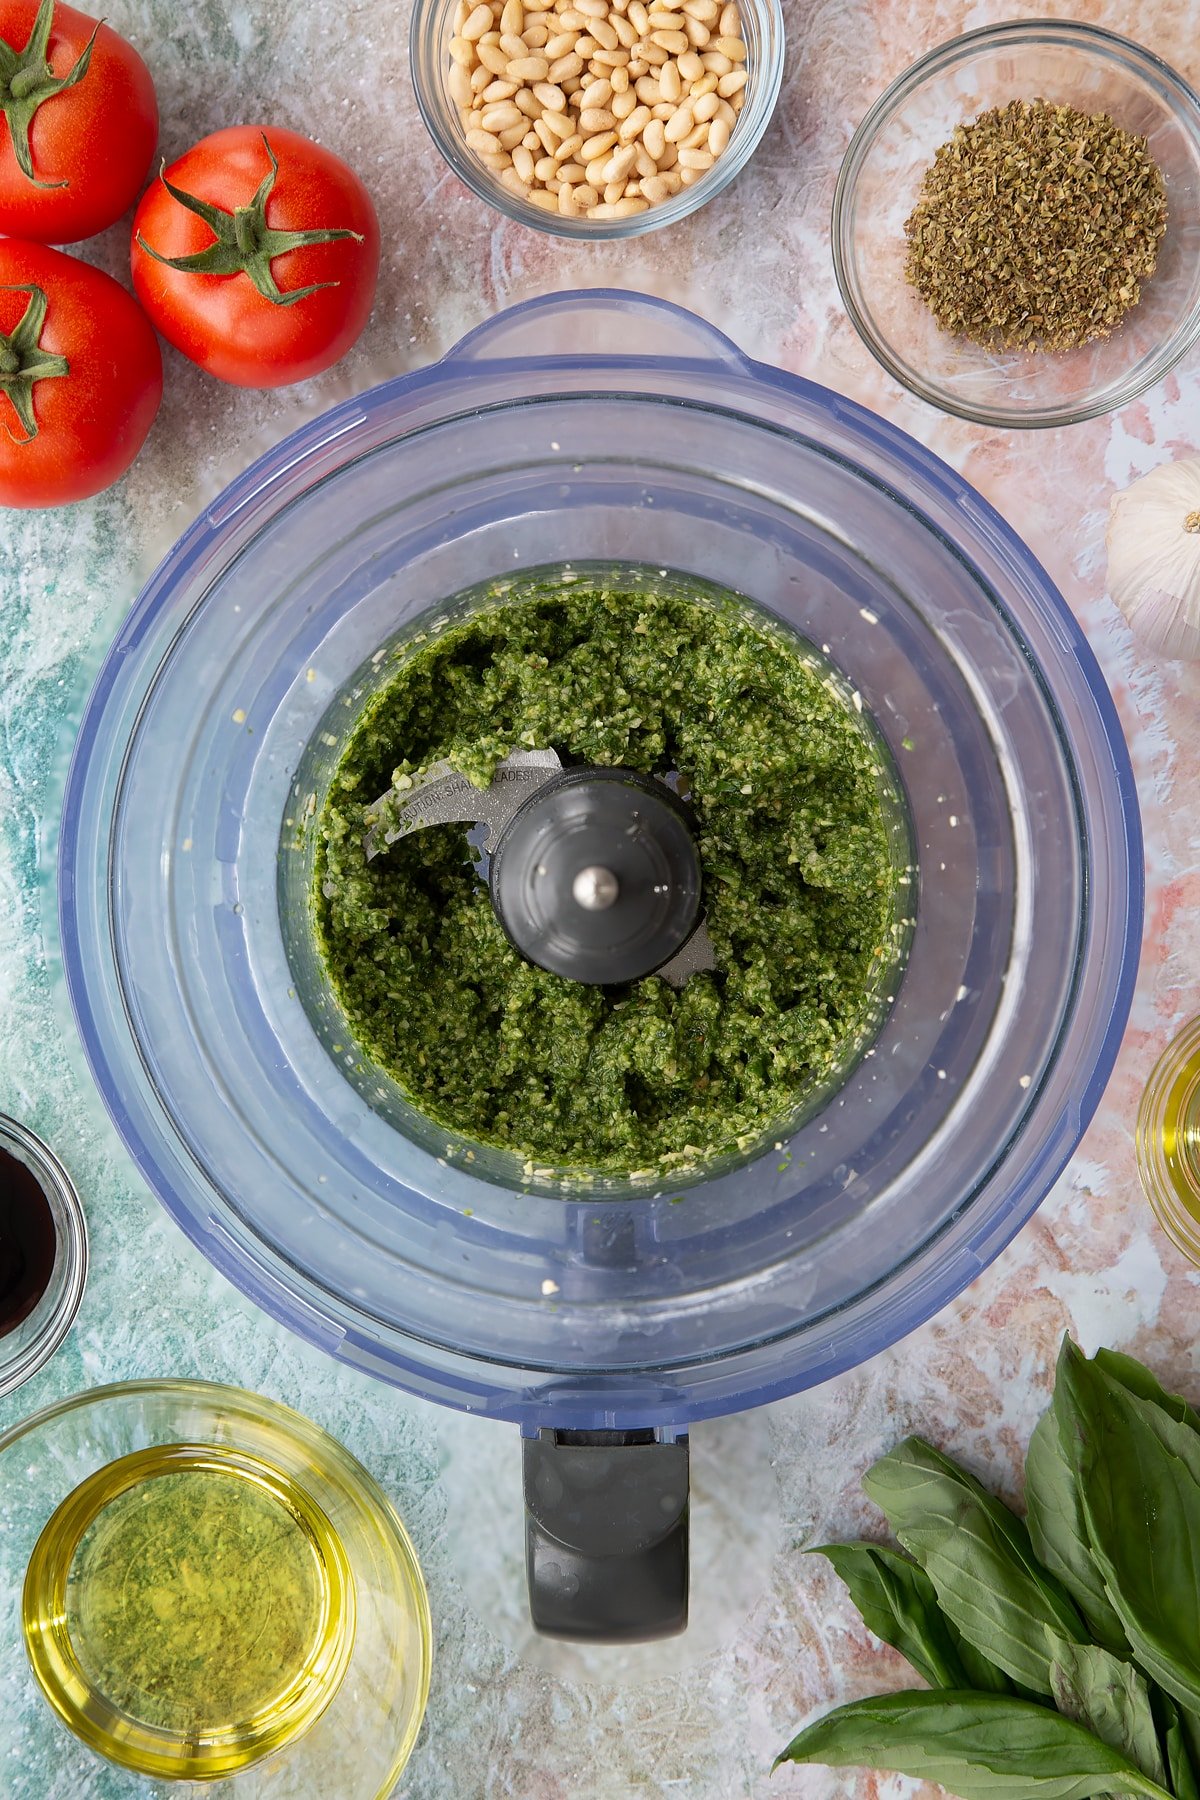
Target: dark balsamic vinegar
(27,1242)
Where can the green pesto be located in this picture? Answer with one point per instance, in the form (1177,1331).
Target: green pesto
(799,882)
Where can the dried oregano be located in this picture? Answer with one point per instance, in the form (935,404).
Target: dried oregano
(1035,227)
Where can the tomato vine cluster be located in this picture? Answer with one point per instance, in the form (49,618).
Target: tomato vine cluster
(256,254)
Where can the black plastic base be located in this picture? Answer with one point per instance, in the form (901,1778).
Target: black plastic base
(606,1534)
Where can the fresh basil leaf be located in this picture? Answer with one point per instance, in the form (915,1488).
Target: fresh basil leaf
(1054,1515)
(1137,1380)
(1109,1697)
(979,1558)
(979,1746)
(898,1603)
(1139,1482)
(1180,1765)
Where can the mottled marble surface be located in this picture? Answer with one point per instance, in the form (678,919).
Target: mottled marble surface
(774,1640)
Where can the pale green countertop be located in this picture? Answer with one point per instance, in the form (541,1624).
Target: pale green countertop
(773,1640)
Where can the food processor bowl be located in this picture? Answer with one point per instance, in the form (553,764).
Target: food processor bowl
(608,428)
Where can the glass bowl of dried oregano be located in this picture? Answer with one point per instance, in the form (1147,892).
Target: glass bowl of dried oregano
(1016,225)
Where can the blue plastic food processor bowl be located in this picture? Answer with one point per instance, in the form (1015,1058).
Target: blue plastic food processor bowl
(597,427)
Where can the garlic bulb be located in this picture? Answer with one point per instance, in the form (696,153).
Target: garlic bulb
(1154,557)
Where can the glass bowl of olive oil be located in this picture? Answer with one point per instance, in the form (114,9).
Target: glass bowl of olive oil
(210,1588)
(1168,1140)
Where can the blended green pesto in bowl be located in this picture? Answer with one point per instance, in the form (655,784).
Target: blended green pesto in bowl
(790,793)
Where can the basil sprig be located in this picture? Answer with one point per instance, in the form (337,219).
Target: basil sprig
(1063,1650)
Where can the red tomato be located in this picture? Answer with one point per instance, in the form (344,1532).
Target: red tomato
(80,377)
(84,123)
(244,295)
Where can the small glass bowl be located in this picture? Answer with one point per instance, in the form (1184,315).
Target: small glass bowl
(1168,1141)
(84,1513)
(31,1344)
(1064,62)
(430,32)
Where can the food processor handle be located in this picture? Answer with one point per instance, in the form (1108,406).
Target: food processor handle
(606,1534)
(598,322)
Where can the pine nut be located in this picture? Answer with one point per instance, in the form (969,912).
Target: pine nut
(654,138)
(462,52)
(670,82)
(561,44)
(523,163)
(567,150)
(717,62)
(643,162)
(690,66)
(565,67)
(648,90)
(654,187)
(637,68)
(532,142)
(546,138)
(679,124)
(697,34)
(479,80)
(585,47)
(674,42)
(731,22)
(653,55)
(570,20)
(477,23)
(619,80)
(592,9)
(513,17)
(626,34)
(663,111)
(732,83)
(733,48)
(535,37)
(596,146)
(604,35)
(696,159)
(688,176)
(513,182)
(528,102)
(726,112)
(496,91)
(707,11)
(718,137)
(623,105)
(547,202)
(707,84)
(558,123)
(633,124)
(544,169)
(571,173)
(595,120)
(705,107)
(459,84)
(619,164)
(586,196)
(663,20)
(568,206)
(695,138)
(528,68)
(611,59)
(551,97)
(500,118)
(493,58)
(639,18)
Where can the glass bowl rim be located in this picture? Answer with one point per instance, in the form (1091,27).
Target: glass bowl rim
(1094,40)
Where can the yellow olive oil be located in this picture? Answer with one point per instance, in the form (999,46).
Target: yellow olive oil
(189,1609)
(1180,1133)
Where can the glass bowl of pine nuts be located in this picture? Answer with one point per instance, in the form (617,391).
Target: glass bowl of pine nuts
(597,118)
